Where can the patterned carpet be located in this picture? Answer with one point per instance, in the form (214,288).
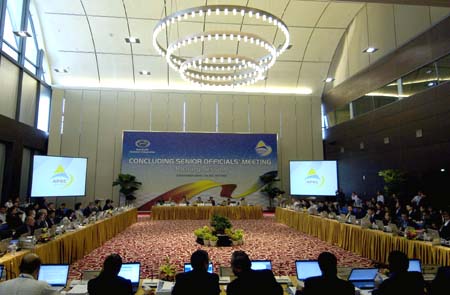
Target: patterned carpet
(150,242)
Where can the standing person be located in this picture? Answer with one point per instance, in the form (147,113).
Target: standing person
(401,281)
(380,197)
(198,281)
(27,282)
(444,231)
(328,282)
(248,281)
(108,281)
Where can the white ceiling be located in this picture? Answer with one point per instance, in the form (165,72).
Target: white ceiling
(87,38)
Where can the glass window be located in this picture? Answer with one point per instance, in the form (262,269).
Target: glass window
(342,114)
(44,109)
(331,116)
(31,50)
(419,80)
(14,15)
(443,69)
(10,41)
(362,105)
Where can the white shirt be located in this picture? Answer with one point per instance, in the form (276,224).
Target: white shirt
(3,218)
(416,200)
(26,284)
(380,198)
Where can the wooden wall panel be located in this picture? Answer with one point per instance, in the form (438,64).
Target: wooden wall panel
(54,137)
(257,113)
(89,136)
(124,121)
(106,145)
(142,111)
(225,113)
(160,111)
(208,112)
(193,112)
(70,139)
(175,114)
(240,113)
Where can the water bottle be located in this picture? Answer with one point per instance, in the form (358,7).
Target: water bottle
(13,249)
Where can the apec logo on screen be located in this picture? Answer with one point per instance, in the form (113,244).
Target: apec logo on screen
(314,178)
(61,179)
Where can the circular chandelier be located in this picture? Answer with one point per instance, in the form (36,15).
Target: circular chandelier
(221,69)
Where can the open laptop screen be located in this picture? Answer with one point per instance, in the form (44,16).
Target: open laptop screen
(363,274)
(414,265)
(188,267)
(54,274)
(131,271)
(261,264)
(307,269)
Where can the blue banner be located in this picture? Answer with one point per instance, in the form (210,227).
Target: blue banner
(175,165)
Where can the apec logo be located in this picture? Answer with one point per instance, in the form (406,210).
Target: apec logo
(142,143)
(263,149)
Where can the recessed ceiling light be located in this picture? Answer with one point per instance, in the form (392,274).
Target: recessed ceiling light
(370,50)
(430,84)
(61,70)
(429,71)
(23,34)
(329,79)
(145,73)
(442,170)
(132,40)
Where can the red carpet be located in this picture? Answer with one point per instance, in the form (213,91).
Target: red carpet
(150,242)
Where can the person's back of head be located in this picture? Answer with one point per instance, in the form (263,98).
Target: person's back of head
(398,262)
(328,264)
(240,262)
(200,260)
(30,264)
(112,265)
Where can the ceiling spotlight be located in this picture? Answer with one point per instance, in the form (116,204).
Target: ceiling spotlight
(370,50)
(442,170)
(329,79)
(61,70)
(23,34)
(132,40)
(145,73)
(429,71)
(430,84)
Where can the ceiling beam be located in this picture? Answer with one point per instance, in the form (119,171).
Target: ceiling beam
(444,3)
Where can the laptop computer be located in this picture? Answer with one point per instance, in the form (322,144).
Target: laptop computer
(414,265)
(131,271)
(55,275)
(261,264)
(363,278)
(307,269)
(188,267)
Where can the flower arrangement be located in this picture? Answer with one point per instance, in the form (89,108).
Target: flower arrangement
(167,270)
(220,226)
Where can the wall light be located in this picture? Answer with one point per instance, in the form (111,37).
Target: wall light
(370,50)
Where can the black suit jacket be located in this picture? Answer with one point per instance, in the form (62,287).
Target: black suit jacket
(261,282)
(328,285)
(104,285)
(410,283)
(444,232)
(196,282)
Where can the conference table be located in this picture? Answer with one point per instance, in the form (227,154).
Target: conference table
(71,246)
(373,244)
(205,212)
